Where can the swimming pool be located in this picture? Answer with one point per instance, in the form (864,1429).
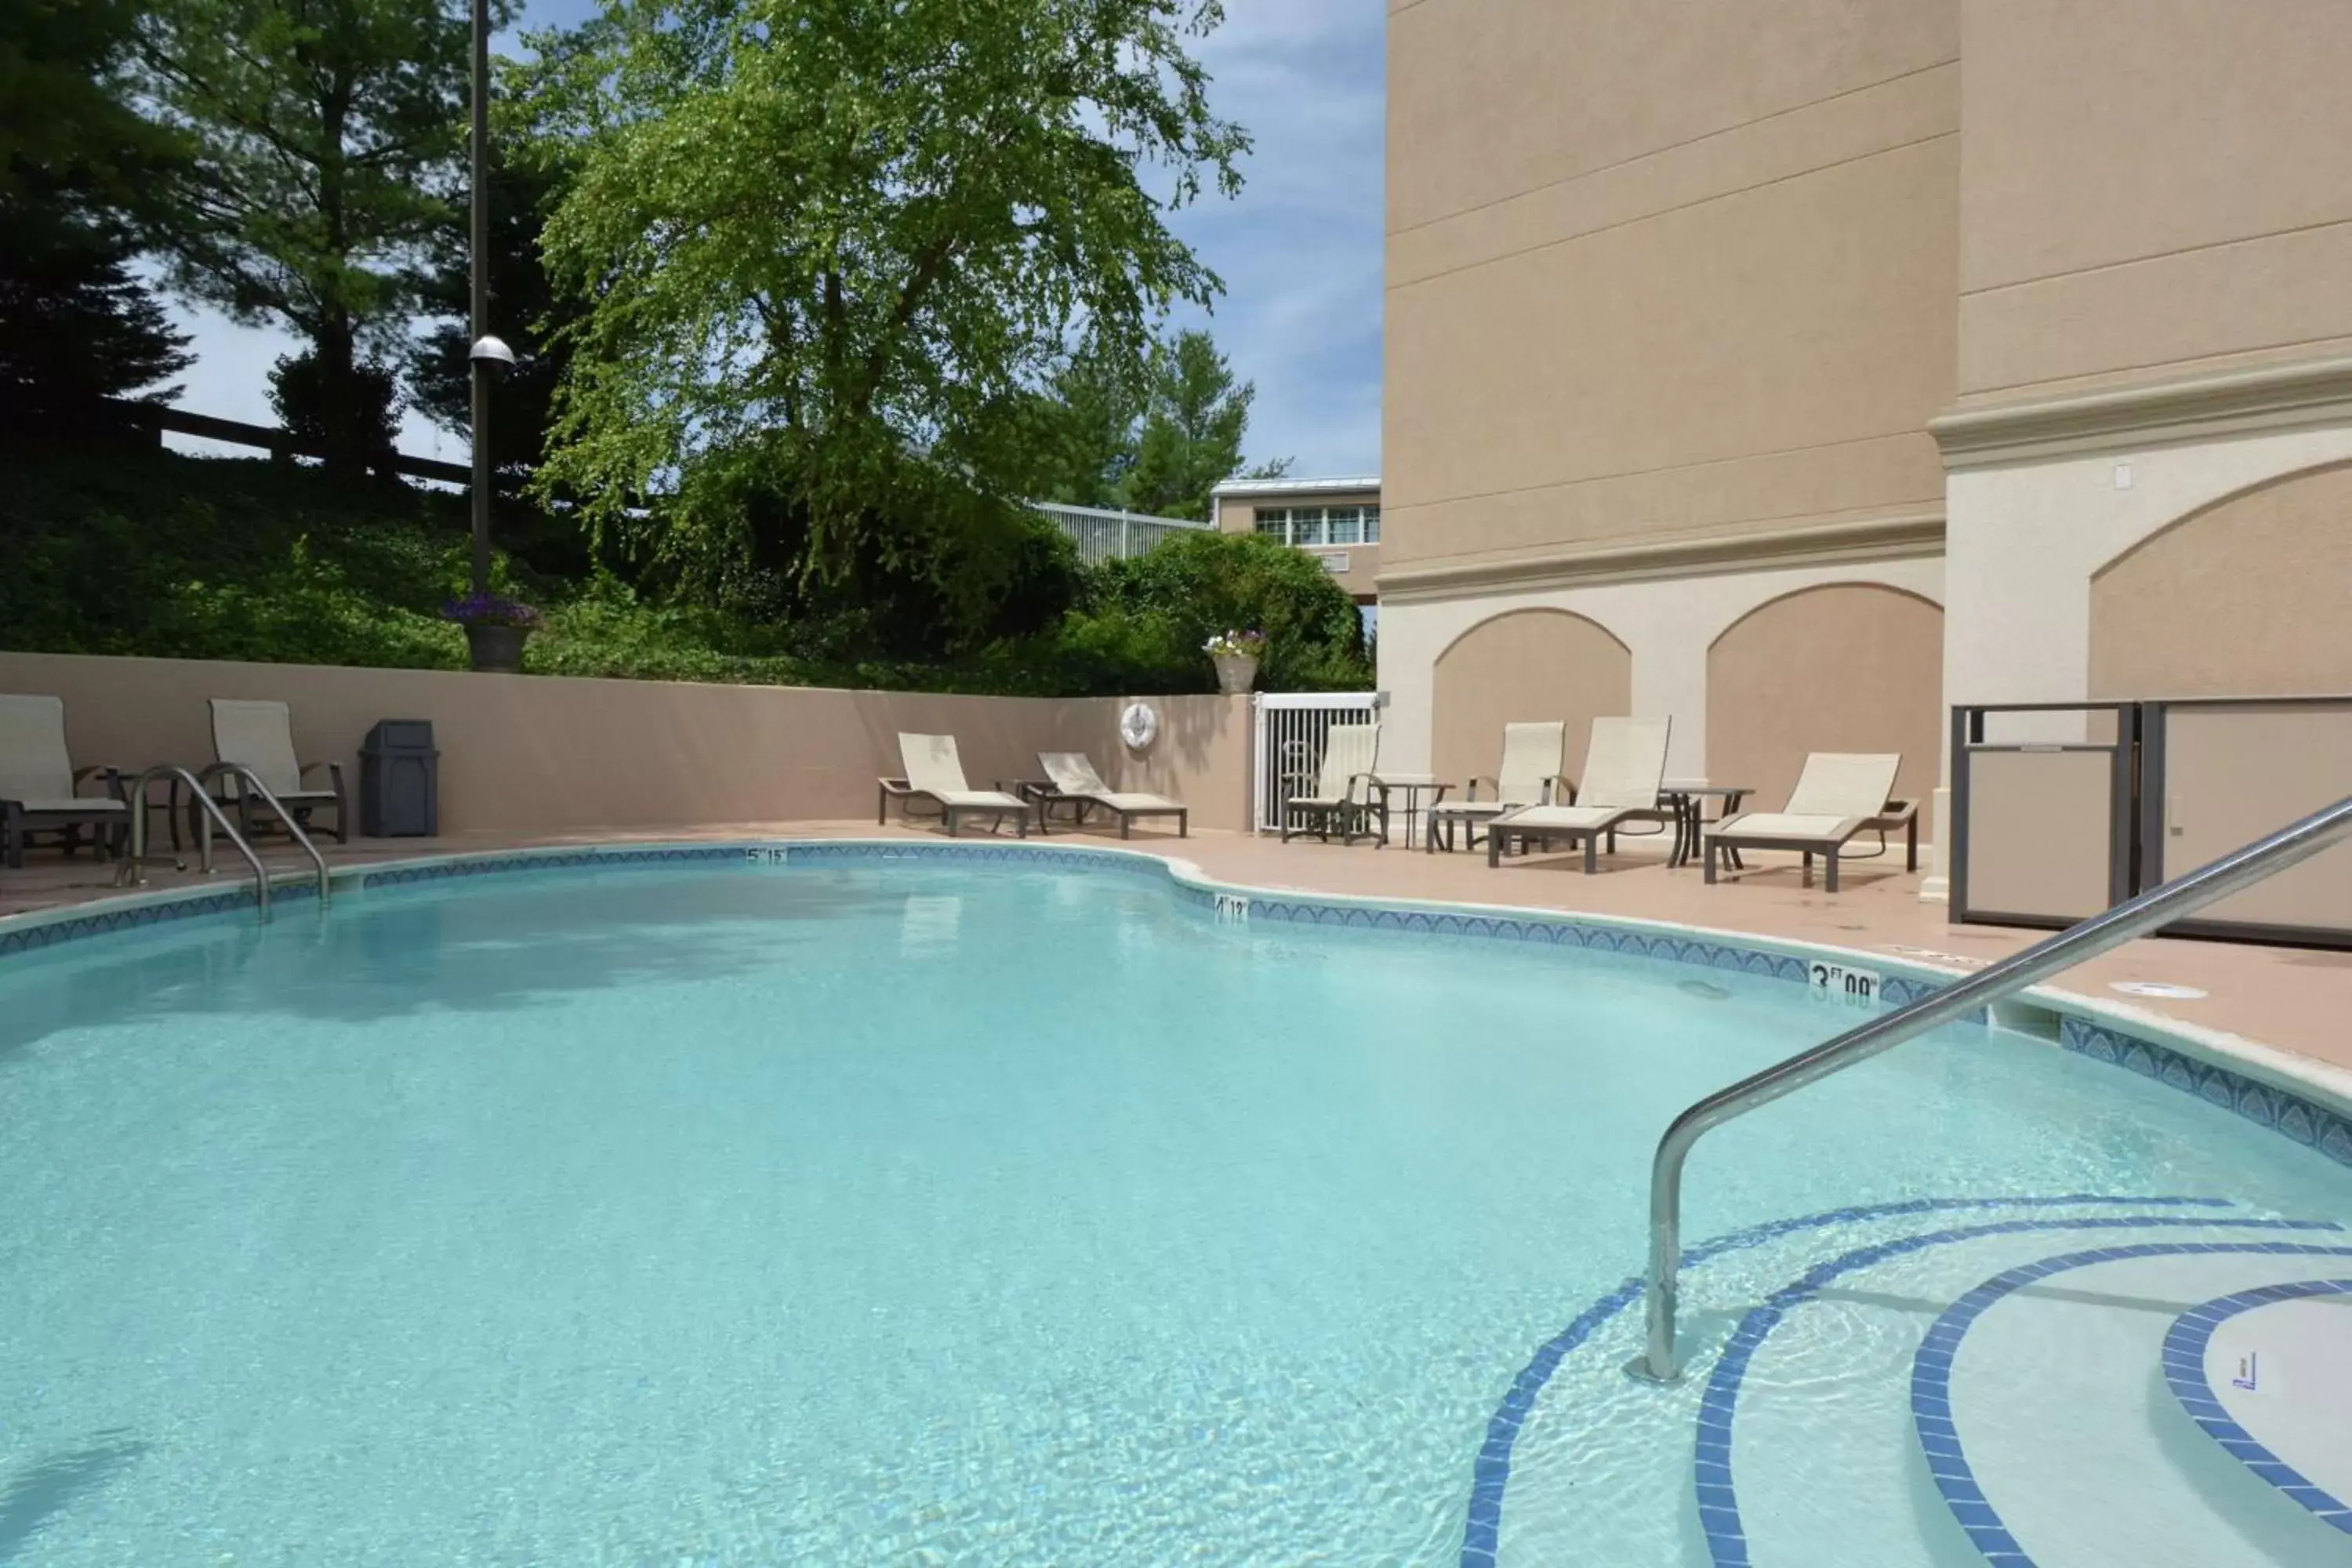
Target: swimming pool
(763,1206)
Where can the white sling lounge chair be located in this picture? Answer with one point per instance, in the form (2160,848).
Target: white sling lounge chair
(1624,762)
(260,736)
(1074,779)
(1839,795)
(1344,797)
(1533,757)
(39,785)
(935,772)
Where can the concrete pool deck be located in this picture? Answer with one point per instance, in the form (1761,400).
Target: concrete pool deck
(2296,1000)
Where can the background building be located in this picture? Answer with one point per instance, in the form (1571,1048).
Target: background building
(1761,366)
(1337,520)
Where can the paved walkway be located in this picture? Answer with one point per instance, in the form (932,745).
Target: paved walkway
(2296,1000)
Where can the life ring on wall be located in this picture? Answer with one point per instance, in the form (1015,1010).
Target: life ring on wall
(1139,726)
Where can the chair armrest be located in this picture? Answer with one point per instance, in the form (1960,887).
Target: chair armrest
(112,776)
(1897,813)
(1560,781)
(1470,789)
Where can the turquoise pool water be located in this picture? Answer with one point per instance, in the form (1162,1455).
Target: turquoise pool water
(911,1213)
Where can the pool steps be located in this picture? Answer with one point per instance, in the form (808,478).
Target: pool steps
(1951,1383)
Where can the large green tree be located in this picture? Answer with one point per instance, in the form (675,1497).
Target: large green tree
(835,247)
(79,172)
(1154,434)
(328,135)
(1193,427)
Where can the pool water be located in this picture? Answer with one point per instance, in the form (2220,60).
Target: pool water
(904,1214)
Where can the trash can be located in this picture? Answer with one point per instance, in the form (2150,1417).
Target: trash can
(400,781)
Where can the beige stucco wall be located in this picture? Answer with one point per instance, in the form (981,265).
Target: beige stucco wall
(2251,596)
(1849,667)
(1525,665)
(2026,540)
(2151,187)
(541,754)
(1668,624)
(1660,271)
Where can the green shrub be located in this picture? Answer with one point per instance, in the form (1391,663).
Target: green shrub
(1144,620)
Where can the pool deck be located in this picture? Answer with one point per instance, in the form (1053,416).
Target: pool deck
(2296,1000)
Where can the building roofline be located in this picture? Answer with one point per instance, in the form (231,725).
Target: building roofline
(1345,482)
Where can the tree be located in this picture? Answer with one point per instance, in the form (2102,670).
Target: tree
(1192,430)
(369,408)
(1085,438)
(327,133)
(1148,614)
(525,309)
(835,247)
(78,170)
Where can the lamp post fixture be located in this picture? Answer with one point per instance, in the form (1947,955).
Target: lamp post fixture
(487,355)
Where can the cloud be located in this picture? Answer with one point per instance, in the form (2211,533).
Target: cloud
(1299,249)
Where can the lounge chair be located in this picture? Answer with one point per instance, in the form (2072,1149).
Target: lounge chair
(1074,779)
(935,772)
(260,736)
(1839,795)
(1624,762)
(1344,797)
(1533,756)
(40,789)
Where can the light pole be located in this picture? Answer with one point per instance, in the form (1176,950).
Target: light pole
(488,357)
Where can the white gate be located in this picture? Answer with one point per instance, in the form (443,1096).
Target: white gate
(1289,746)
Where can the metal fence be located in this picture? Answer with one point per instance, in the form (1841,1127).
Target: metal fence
(1103,535)
(1291,727)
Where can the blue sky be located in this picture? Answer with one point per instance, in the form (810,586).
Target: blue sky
(1299,249)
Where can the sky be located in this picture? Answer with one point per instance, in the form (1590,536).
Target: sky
(1299,249)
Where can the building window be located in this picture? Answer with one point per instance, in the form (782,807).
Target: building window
(1315,527)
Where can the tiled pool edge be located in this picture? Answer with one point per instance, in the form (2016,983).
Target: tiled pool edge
(2273,1092)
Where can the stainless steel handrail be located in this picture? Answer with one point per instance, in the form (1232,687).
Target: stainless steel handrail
(2159,906)
(247,779)
(134,868)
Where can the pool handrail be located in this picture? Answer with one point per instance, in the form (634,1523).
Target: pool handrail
(247,779)
(135,864)
(2159,906)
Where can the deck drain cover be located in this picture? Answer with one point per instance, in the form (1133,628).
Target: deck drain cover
(2156,988)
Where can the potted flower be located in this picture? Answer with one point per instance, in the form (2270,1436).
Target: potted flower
(495,629)
(1235,654)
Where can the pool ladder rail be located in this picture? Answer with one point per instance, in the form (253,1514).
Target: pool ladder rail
(2233,872)
(132,871)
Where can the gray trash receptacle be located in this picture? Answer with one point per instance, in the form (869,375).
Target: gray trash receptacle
(400,791)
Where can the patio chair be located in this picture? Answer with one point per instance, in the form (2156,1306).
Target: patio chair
(260,735)
(40,789)
(1344,797)
(1533,756)
(935,772)
(1074,779)
(1624,763)
(1839,795)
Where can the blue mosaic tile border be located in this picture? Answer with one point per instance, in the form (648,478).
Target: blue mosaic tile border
(1491,1474)
(1931,1376)
(1718,1502)
(2313,1125)
(108,921)
(2184,1371)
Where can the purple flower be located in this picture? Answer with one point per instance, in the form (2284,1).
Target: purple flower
(490,610)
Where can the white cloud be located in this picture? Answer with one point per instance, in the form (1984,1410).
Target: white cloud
(1299,249)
